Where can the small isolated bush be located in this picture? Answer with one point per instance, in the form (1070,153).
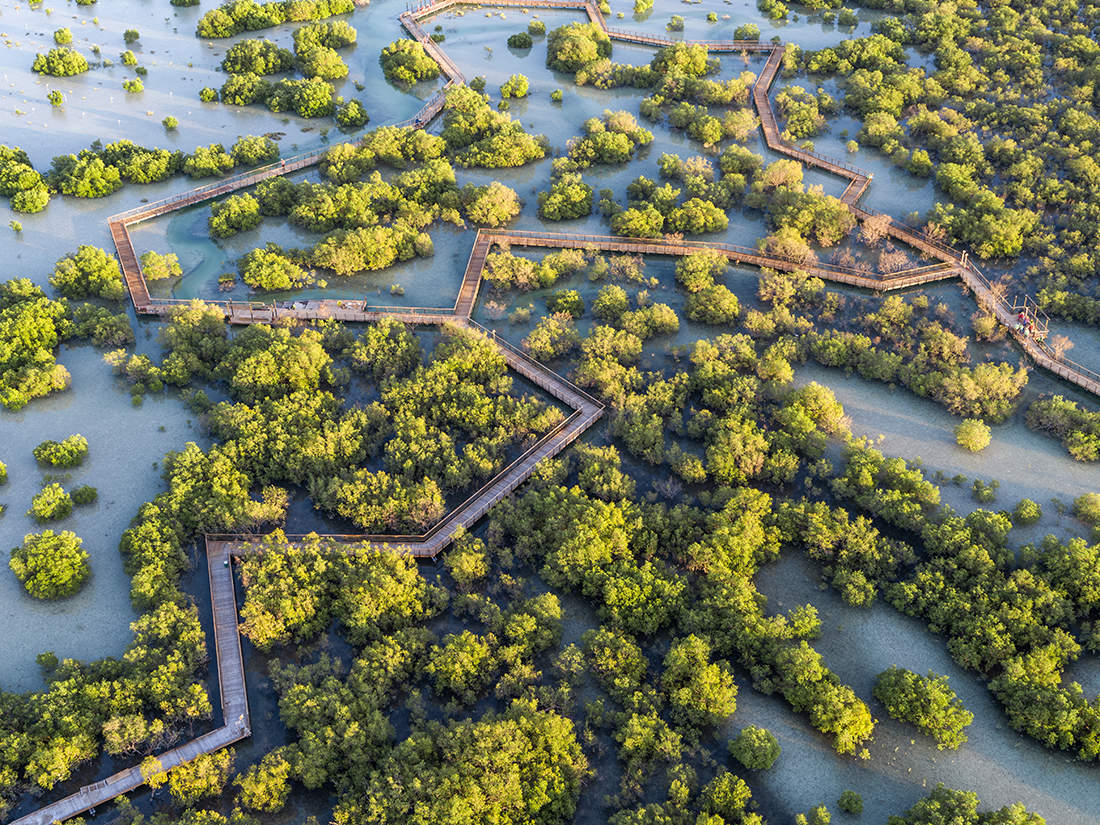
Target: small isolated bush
(3,473)
(60,62)
(86,273)
(520,40)
(50,566)
(984,492)
(128,58)
(569,197)
(536,27)
(157,267)
(68,453)
(1087,508)
(492,205)
(55,97)
(170,123)
(131,36)
(63,37)
(611,303)
(675,24)
(208,95)
(850,802)
(1026,512)
(50,504)
(133,85)
(234,214)
(755,748)
(556,95)
(515,86)
(972,435)
(568,301)
(925,701)
(352,115)
(84,494)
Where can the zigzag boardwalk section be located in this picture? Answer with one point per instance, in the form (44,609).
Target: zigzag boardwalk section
(230,666)
(221,548)
(884,281)
(119,224)
(586,410)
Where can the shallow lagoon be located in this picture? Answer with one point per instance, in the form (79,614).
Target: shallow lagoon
(125,445)
(126,441)
(996,763)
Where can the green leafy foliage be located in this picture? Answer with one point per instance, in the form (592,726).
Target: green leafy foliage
(405,61)
(50,504)
(60,61)
(31,327)
(755,748)
(478,136)
(50,565)
(1075,426)
(236,213)
(926,702)
(248,15)
(572,47)
(88,272)
(69,452)
(158,267)
(972,435)
(25,187)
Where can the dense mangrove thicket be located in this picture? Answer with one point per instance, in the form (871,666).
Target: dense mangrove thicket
(371,222)
(1003,118)
(32,327)
(248,15)
(312,95)
(586,647)
(437,427)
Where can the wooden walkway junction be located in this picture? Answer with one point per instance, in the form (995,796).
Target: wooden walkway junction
(947,263)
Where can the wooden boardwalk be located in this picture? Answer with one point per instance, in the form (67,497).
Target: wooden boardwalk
(879,281)
(586,410)
(947,262)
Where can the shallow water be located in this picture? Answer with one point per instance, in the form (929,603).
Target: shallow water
(125,441)
(1027,464)
(999,765)
(124,445)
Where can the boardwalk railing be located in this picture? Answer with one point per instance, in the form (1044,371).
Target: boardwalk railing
(667,246)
